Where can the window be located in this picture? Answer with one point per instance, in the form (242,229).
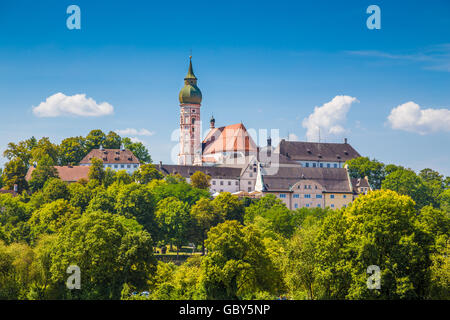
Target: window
(295,206)
(332,205)
(328,165)
(282,195)
(116,166)
(214,182)
(229,183)
(221,183)
(249,182)
(318,196)
(135,165)
(307,196)
(237,183)
(250,174)
(193,120)
(307,164)
(321,165)
(345,196)
(307,205)
(254,169)
(314,165)
(128,165)
(318,205)
(249,189)
(221,190)
(296,196)
(331,196)
(335,165)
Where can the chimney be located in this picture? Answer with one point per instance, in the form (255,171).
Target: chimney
(345,140)
(160,165)
(212,123)
(16,188)
(122,147)
(101,147)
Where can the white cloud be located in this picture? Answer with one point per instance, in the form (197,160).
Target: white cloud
(328,118)
(59,105)
(136,140)
(411,117)
(134,132)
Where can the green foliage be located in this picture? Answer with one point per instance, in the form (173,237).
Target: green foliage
(136,201)
(173,219)
(14,174)
(277,217)
(364,167)
(138,149)
(14,215)
(200,180)
(96,170)
(204,216)
(229,207)
(406,182)
(44,171)
(147,173)
(71,151)
(80,195)
(112,141)
(237,263)
(55,189)
(122,176)
(109,249)
(52,217)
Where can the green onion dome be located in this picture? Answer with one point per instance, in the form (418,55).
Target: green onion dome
(190,93)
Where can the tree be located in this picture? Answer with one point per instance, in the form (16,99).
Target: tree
(406,182)
(109,178)
(377,229)
(52,217)
(14,174)
(147,173)
(14,215)
(94,140)
(200,180)
(55,189)
(112,141)
(44,171)
(110,250)
(434,183)
(71,151)
(80,195)
(237,264)
(229,207)
(122,176)
(173,219)
(138,149)
(204,216)
(364,167)
(136,201)
(44,148)
(21,151)
(301,263)
(96,170)
(1,179)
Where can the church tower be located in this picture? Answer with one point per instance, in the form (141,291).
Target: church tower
(190,99)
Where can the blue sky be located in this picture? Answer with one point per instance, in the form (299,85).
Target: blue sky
(267,64)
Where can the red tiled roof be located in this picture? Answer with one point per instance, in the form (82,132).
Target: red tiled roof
(66,173)
(230,138)
(112,156)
